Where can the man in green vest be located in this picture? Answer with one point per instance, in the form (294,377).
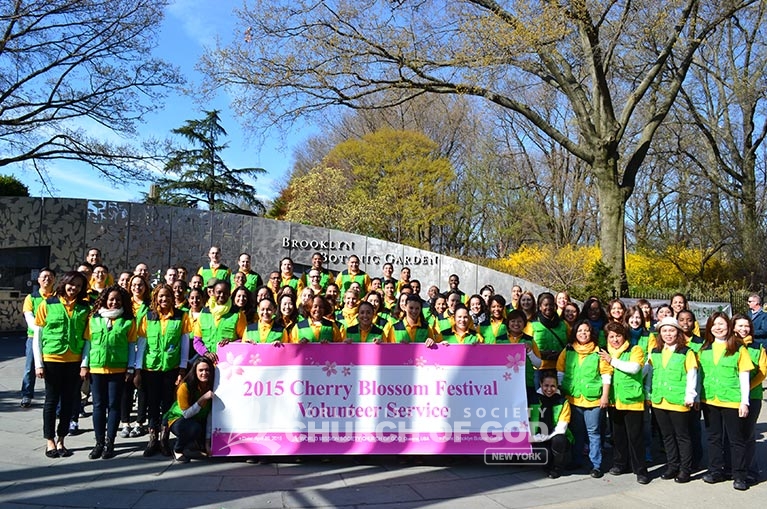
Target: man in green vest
(353,274)
(214,268)
(46,280)
(252,278)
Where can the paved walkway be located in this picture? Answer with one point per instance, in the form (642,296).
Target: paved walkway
(30,480)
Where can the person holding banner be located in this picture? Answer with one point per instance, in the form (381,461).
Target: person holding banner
(317,328)
(189,416)
(412,328)
(266,329)
(461,332)
(218,323)
(495,330)
(586,381)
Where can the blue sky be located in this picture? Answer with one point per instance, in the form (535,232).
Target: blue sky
(189,26)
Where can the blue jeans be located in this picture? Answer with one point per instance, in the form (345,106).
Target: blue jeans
(585,424)
(107,392)
(187,431)
(28,380)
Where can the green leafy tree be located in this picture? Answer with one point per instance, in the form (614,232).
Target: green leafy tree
(11,186)
(202,176)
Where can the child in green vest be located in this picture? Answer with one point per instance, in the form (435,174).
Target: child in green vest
(549,421)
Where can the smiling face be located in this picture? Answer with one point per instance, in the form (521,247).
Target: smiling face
(686,322)
(475,305)
(317,261)
(720,328)
(114,301)
(365,316)
(526,303)
(562,300)
(221,293)
(496,310)
(171,275)
(615,340)
(243,262)
(548,308)
(516,326)
(742,328)
(203,372)
(583,334)
(413,311)
(669,333)
(317,311)
(452,301)
(353,265)
(462,320)
(265,311)
(286,306)
(350,300)
(165,300)
(195,301)
(286,267)
(46,279)
(73,288)
(240,298)
(549,386)
(677,304)
(214,255)
(636,320)
(137,288)
(570,313)
(100,275)
(440,305)
(616,311)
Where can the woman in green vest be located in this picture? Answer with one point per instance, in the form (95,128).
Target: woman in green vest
(364,330)
(380,316)
(412,328)
(495,331)
(163,353)
(288,314)
(437,311)
(109,356)
(317,328)
(219,323)
(626,402)
(744,328)
(140,299)
(549,331)
(189,416)
(516,323)
(672,373)
(461,332)
(687,323)
(266,329)
(586,383)
(58,347)
(288,278)
(725,367)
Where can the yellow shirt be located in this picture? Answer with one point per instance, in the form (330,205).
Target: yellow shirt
(744,364)
(583,351)
(242,325)
(635,355)
(690,362)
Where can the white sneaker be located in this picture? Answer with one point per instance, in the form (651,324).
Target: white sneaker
(125,431)
(137,430)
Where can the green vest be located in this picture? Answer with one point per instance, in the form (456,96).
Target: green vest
(695,344)
(252,281)
(63,332)
(535,417)
(755,351)
(174,412)
(669,383)
(213,334)
(163,351)
(449,336)
(582,379)
(355,335)
(341,319)
(529,368)
(626,388)
(253,334)
(644,343)
(401,334)
(292,282)
(36,300)
(347,280)
(720,381)
(550,339)
(206,272)
(306,332)
(324,278)
(109,347)
(490,337)
(142,311)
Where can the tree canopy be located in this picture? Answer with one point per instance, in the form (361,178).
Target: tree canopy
(72,68)
(199,174)
(611,69)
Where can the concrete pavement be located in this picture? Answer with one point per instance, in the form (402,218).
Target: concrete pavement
(30,480)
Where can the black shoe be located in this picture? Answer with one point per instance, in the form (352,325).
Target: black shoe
(596,473)
(711,478)
(64,452)
(25,403)
(669,474)
(51,453)
(165,449)
(109,450)
(97,451)
(682,478)
(553,473)
(153,446)
(740,485)
(180,457)
(643,479)
(617,471)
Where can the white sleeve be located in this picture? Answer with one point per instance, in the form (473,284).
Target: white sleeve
(184,351)
(647,374)
(745,386)
(37,349)
(629,367)
(691,389)
(29,317)
(85,363)
(140,347)
(607,379)
(560,429)
(534,360)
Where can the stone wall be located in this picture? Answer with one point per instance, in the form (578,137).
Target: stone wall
(129,233)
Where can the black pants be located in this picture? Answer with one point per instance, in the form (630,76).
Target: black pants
(107,390)
(752,465)
(161,393)
(61,382)
(628,440)
(558,448)
(721,421)
(675,429)
(187,431)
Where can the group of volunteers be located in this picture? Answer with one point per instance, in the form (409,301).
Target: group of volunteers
(595,376)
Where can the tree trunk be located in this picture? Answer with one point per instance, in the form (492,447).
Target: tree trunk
(612,228)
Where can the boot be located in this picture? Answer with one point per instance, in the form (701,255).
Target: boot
(96,451)
(109,449)
(165,442)
(154,444)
